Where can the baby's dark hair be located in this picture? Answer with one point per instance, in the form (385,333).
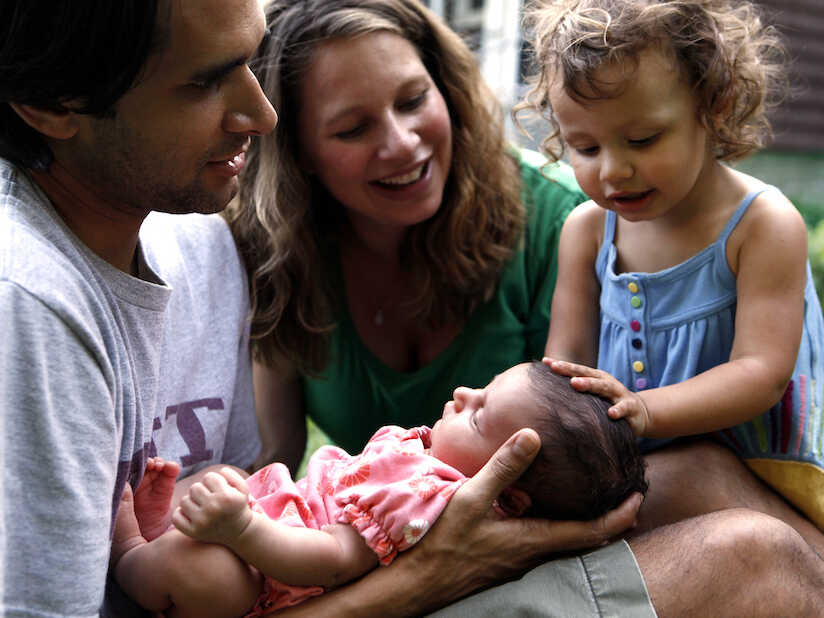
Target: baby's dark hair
(733,61)
(588,463)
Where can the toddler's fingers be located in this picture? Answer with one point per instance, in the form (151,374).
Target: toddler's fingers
(566,368)
(616,412)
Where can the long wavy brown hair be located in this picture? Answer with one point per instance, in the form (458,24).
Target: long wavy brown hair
(286,224)
(724,50)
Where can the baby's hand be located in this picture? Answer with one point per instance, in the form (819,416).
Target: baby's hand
(216,509)
(625,403)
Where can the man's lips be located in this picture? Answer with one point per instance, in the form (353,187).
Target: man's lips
(231,165)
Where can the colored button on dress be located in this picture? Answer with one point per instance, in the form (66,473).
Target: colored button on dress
(637,366)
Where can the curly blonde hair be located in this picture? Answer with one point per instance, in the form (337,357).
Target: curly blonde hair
(283,219)
(731,59)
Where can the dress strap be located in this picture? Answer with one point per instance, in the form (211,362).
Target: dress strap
(740,211)
(606,244)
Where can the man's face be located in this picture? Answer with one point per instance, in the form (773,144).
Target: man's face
(177,139)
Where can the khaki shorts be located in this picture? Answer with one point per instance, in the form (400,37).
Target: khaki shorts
(604,582)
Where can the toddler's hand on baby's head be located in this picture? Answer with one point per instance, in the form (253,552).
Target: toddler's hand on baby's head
(632,409)
(625,403)
(216,509)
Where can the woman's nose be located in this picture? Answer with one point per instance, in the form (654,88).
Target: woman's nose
(400,138)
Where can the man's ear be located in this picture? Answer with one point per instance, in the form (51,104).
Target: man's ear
(54,124)
(514,502)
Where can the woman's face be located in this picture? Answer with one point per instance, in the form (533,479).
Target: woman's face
(375,130)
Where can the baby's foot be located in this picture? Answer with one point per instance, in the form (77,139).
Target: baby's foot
(126,529)
(154,496)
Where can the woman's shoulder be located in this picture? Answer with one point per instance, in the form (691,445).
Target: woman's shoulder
(543,179)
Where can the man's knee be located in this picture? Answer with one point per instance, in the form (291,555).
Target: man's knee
(753,544)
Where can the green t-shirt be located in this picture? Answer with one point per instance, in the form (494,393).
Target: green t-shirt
(357,393)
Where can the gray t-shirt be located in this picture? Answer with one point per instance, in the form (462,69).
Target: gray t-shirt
(100,370)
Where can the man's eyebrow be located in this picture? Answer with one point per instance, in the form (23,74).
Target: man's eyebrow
(217,71)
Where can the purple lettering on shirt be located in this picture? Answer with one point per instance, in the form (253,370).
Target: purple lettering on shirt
(191,430)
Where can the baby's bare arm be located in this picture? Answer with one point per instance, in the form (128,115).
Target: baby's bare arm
(216,510)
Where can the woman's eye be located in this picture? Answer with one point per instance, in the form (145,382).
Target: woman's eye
(351,133)
(413,103)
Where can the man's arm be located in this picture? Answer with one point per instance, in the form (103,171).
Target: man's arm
(59,445)
(466,549)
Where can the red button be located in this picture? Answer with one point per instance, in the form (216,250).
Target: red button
(635,325)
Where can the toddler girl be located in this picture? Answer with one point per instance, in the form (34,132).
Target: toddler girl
(684,281)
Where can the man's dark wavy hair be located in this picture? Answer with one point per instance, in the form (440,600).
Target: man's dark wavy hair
(588,463)
(85,53)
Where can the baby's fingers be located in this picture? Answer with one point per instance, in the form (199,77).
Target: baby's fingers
(182,522)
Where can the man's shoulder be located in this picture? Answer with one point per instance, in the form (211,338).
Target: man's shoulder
(35,250)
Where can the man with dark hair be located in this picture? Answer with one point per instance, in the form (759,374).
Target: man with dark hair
(124,334)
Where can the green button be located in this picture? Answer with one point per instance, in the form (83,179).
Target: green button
(635,301)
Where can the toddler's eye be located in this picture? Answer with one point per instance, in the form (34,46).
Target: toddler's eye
(588,151)
(645,141)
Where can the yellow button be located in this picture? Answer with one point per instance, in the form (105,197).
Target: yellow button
(633,287)
(638,366)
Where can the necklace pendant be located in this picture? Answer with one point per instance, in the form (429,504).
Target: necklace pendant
(378,319)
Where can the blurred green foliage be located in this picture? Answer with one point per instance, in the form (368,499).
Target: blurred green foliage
(816,250)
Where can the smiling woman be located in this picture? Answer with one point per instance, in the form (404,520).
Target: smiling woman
(429,241)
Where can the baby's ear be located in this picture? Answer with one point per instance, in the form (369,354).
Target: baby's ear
(514,502)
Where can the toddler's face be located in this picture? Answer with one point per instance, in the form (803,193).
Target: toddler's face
(477,421)
(643,152)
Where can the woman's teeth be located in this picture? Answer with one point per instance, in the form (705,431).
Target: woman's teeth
(404,179)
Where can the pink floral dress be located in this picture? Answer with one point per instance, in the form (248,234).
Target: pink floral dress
(391,493)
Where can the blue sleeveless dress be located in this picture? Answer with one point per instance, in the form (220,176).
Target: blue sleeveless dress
(665,327)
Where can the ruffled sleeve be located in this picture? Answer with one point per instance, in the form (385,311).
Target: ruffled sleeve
(394,491)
